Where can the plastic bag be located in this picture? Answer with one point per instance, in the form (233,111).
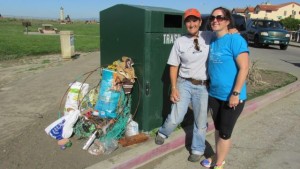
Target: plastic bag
(132,128)
(76,93)
(71,119)
(55,128)
(96,148)
(108,97)
(63,127)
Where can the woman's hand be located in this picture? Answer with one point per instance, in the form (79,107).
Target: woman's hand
(174,97)
(233,31)
(233,101)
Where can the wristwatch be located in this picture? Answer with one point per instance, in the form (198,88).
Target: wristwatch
(235,93)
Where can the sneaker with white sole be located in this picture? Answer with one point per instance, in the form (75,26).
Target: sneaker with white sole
(210,162)
(219,166)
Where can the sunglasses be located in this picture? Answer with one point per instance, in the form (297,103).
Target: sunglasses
(196,43)
(219,18)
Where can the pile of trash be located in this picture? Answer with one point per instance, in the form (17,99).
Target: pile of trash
(101,114)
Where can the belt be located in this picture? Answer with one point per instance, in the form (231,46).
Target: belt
(197,82)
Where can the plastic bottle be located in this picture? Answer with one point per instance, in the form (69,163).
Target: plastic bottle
(90,140)
(110,145)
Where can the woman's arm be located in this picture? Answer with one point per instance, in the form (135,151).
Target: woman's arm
(243,66)
(173,76)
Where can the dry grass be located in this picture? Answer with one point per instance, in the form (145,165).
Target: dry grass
(255,75)
(260,81)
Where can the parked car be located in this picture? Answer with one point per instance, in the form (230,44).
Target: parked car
(262,32)
(239,24)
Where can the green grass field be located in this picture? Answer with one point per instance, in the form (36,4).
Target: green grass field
(15,44)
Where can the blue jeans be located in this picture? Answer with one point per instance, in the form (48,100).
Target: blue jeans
(197,95)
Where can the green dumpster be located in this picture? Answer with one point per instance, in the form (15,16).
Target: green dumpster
(146,34)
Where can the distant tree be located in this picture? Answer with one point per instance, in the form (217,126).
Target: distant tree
(291,23)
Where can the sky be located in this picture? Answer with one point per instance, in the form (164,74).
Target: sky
(81,9)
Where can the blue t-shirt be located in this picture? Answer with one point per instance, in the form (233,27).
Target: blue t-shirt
(222,66)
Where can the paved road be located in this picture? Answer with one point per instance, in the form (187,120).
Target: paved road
(273,58)
(266,139)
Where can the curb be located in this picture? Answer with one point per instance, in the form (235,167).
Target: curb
(294,44)
(144,153)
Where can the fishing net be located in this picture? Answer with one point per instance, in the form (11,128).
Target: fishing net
(85,127)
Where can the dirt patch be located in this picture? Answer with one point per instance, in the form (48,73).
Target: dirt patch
(270,80)
(33,86)
(12,70)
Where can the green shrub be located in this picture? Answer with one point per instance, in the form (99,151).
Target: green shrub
(291,23)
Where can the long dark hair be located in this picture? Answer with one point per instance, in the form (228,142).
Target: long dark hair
(227,15)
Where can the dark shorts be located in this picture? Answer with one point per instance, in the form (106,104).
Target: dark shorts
(223,116)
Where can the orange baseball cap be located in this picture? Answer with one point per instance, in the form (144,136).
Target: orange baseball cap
(192,12)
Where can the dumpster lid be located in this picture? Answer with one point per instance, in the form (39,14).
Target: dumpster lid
(152,8)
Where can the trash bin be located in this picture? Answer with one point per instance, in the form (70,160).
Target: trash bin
(67,44)
(146,34)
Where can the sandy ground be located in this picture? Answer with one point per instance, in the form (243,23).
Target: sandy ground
(31,91)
